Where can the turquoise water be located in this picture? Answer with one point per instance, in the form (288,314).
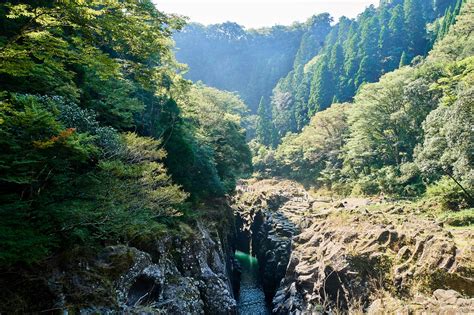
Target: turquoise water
(251,300)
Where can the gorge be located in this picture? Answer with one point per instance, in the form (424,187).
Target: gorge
(310,254)
(153,166)
(353,254)
(251,297)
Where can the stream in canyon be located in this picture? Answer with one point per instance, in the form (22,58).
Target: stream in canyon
(251,300)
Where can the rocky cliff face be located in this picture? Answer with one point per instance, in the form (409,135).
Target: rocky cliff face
(354,254)
(191,276)
(265,230)
(315,256)
(175,275)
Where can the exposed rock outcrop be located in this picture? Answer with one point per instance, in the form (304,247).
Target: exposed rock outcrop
(176,275)
(442,302)
(265,227)
(194,280)
(357,254)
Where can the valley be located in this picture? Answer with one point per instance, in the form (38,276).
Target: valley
(150,164)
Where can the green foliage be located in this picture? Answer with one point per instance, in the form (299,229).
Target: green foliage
(34,143)
(403,60)
(219,152)
(459,218)
(330,63)
(396,41)
(35,149)
(100,55)
(410,130)
(416,24)
(448,194)
(55,193)
(458,43)
(263,159)
(76,77)
(264,132)
(385,121)
(322,83)
(447,147)
(315,152)
(251,62)
(449,18)
(354,52)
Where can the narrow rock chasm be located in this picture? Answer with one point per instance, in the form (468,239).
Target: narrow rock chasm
(263,254)
(319,255)
(251,297)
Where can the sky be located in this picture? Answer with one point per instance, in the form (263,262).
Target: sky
(260,13)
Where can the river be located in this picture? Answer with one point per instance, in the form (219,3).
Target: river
(251,300)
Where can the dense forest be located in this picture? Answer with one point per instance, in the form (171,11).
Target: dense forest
(249,62)
(356,52)
(321,65)
(328,124)
(101,139)
(121,125)
(408,133)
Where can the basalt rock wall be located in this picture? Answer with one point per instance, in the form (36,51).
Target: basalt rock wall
(356,254)
(265,229)
(172,274)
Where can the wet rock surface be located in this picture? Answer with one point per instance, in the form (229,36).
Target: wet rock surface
(355,254)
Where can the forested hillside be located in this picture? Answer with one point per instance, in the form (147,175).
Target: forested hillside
(358,51)
(250,62)
(102,141)
(409,133)
(322,167)
(322,64)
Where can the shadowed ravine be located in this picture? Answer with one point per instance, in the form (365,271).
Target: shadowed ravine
(251,298)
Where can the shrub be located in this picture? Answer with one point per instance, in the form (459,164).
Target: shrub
(365,186)
(459,218)
(448,193)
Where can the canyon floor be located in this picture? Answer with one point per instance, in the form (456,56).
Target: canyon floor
(313,255)
(369,255)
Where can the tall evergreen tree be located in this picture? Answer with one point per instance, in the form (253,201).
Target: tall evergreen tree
(264,131)
(336,66)
(435,32)
(440,6)
(457,7)
(443,27)
(384,46)
(397,37)
(301,104)
(351,60)
(313,39)
(322,89)
(416,24)
(384,14)
(404,61)
(369,69)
